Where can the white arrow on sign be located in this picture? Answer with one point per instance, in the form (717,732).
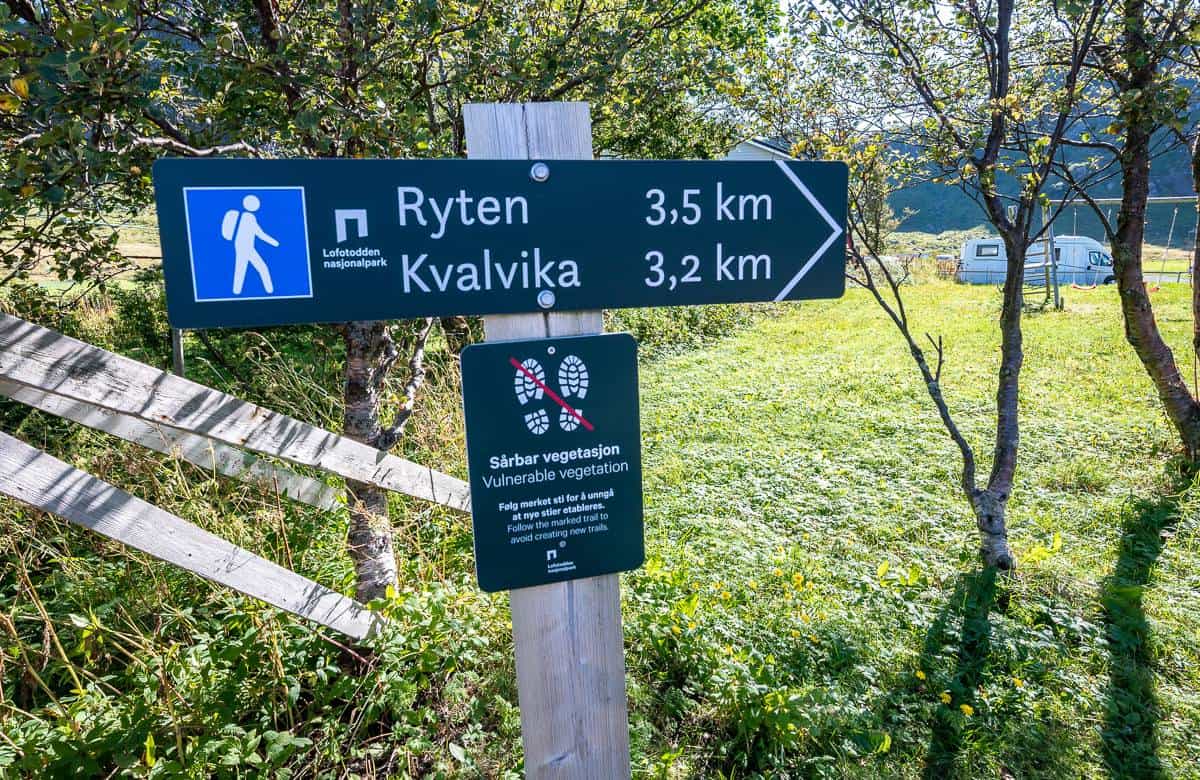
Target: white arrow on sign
(816,204)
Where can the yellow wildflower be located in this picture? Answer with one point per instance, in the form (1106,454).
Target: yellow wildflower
(945,697)
(726,595)
(967,709)
(1017,681)
(778,572)
(753,585)
(675,630)
(691,625)
(920,675)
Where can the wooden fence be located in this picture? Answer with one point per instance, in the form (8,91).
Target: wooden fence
(40,480)
(141,404)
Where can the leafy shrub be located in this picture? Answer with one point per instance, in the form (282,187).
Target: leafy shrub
(139,321)
(36,303)
(678,328)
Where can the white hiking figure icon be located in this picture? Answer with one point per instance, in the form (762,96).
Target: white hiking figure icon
(241,227)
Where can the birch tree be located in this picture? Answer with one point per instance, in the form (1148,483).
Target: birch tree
(985,96)
(1145,103)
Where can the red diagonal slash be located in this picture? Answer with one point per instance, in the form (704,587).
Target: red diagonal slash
(553,395)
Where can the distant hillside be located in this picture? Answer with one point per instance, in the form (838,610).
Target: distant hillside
(939,208)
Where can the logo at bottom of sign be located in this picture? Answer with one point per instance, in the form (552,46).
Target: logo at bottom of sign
(554,454)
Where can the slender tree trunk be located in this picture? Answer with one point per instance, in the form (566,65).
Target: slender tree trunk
(1141,329)
(1196,247)
(370,352)
(370,355)
(991,503)
(369,348)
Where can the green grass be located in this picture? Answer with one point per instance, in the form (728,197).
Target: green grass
(1159,258)
(811,589)
(808,446)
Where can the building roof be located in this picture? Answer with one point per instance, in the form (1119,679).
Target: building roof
(776,144)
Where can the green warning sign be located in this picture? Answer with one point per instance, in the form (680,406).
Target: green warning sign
(554,453)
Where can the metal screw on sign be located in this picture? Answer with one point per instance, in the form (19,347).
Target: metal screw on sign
(546,299)
(539,172)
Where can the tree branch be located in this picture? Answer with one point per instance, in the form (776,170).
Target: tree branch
(1101,145)
(390,436)
(172,145)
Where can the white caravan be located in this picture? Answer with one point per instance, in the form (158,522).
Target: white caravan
(1080,260)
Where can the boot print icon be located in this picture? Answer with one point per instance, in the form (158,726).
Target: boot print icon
(242,228)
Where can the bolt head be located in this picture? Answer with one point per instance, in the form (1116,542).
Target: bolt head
(546,299)
(539,172)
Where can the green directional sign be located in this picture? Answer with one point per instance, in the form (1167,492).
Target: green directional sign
(272,242)
(554,454)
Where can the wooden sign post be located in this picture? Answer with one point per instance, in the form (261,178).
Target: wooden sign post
(569,647)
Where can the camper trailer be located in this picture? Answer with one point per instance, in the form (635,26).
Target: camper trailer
(1078,260)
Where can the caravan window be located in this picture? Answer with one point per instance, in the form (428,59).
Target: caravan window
(987,250)
(1098,258)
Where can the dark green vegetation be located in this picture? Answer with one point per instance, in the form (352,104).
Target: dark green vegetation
(811,604)
(92,92)
(933,208)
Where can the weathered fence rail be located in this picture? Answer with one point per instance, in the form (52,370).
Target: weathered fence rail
(197,450)
(42,481)
(47,361)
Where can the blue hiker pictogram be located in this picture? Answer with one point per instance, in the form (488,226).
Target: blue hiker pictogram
(248,243)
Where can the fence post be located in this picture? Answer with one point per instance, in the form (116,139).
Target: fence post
(177,366)
(1050,256)
(567,636)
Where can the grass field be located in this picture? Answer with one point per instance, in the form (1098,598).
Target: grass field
(811,603)
(807,448)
